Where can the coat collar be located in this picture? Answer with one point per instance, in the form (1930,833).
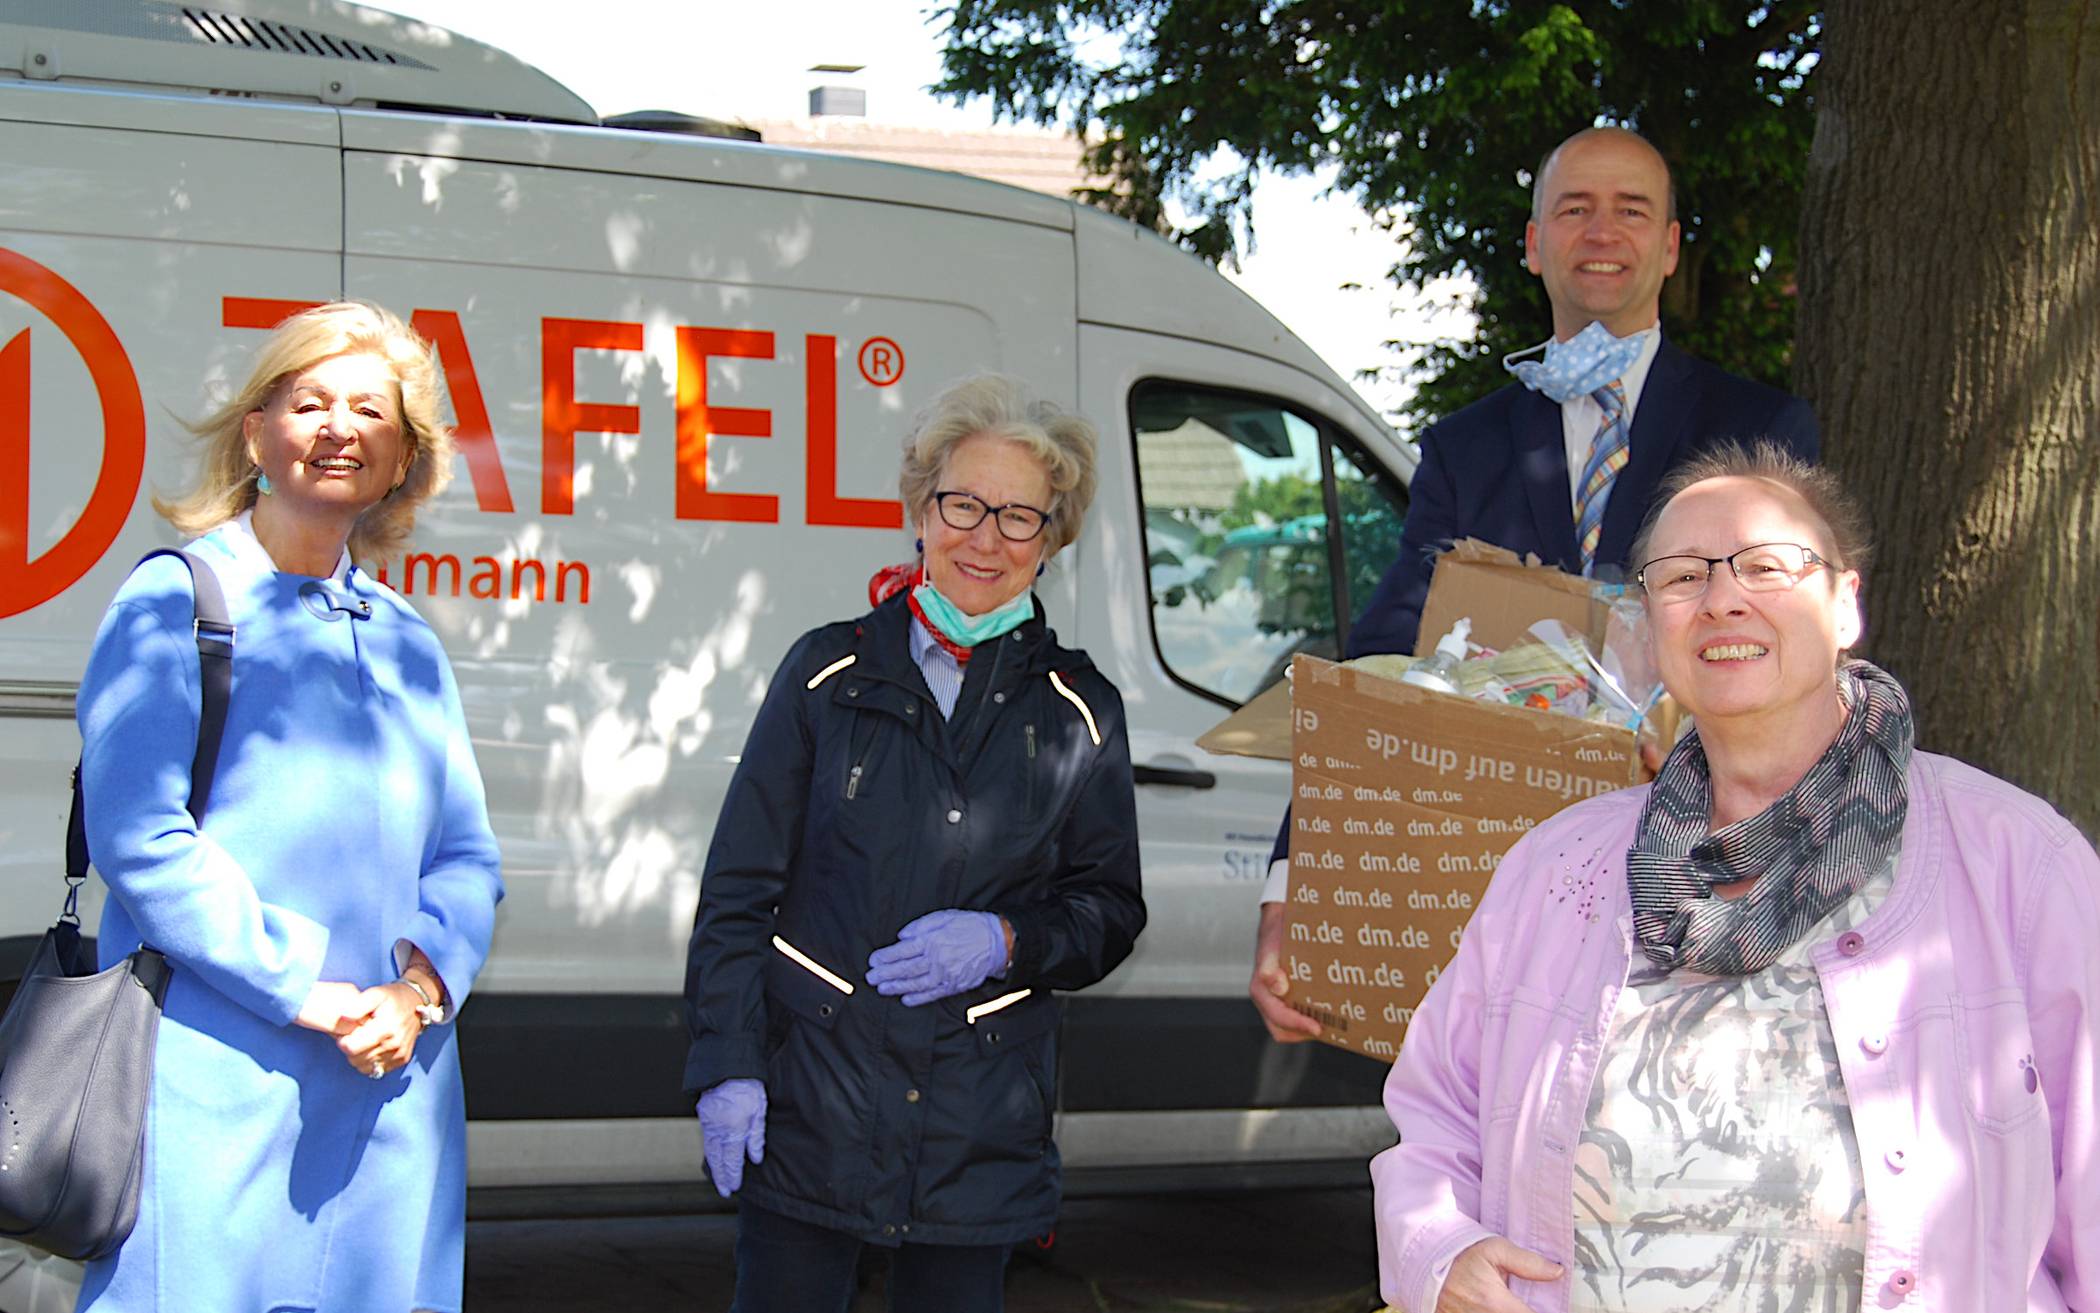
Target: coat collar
(882,643)
(1541,448)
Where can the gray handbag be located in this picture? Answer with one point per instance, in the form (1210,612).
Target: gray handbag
(76,1045)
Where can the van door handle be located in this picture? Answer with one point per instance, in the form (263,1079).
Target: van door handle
(1178,777)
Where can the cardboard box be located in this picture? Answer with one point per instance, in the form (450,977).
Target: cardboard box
(1404,799)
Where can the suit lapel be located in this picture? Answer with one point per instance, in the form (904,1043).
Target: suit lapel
(1541,446)
(1652,449)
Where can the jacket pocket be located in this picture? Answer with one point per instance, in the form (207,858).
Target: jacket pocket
(816,1084)
(1994,1054)
(1016,1035)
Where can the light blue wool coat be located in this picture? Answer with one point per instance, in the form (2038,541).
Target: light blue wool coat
(347,816)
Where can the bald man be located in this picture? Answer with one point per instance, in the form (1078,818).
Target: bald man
(1561,463)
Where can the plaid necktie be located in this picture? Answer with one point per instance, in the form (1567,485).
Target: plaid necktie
(1607,457)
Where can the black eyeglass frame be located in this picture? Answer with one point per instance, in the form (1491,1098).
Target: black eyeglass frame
(940,506)
(1809,557)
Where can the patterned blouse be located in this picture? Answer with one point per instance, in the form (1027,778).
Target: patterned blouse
(1718,1170)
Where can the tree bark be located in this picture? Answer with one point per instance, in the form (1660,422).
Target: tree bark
(1949,341)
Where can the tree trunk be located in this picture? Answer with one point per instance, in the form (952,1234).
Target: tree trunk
(1950,343)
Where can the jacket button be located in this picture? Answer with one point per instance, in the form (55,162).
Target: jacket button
(911,1096)
(991,1037)
(999,698)
(1875,1044)
(853,691)
(954,816)
(889,1230)
(1903,1282)
(1897,1160)
(911,708)
(1852,943)
(823,1009)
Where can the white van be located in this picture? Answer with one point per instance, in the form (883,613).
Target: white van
(681,369)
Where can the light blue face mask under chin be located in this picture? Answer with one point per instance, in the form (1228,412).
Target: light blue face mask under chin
(1578,366)
(970,630)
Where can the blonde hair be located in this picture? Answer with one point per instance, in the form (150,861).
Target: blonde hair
(226,479)
(1003,407)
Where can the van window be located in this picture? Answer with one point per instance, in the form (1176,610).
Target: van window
(1244,563)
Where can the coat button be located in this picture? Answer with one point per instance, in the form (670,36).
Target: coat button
(889,1230)
(1875,1044)
(1852,943)
(999,698)
(911,708)
(1896,1159)
(911,1096)
(954,816)
(1903,1282)
(853,691)
(824,1009)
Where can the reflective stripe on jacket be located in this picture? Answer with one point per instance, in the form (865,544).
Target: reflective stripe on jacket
(855,809)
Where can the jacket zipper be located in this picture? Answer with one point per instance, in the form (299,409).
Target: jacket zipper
(853,781)
(1028,793)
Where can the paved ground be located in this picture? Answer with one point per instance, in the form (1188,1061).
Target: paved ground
(1282,1252)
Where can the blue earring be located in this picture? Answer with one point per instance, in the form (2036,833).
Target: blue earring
(262,483)
(1041,566)
(918,544)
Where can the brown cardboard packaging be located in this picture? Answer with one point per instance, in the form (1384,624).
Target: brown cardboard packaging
(1405,799)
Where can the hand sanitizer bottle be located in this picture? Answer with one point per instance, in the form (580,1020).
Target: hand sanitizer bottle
(1439,670)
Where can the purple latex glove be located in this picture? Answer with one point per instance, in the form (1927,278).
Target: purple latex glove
(940,954)
(732,1123)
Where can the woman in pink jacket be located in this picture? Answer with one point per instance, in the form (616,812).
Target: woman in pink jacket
(1812,1022)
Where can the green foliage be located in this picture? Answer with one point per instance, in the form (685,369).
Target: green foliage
(1432,114)
(1274,537)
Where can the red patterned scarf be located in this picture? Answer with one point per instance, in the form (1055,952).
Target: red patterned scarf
(891,580)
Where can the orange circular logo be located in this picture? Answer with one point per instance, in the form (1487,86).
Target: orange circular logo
(25,583)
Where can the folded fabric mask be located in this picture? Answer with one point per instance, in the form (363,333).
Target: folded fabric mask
(1578,366)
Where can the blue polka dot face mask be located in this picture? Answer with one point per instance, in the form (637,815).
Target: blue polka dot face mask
(1578,366)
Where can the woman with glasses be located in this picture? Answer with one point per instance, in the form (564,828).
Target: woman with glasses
(1811,1022)
(932,828)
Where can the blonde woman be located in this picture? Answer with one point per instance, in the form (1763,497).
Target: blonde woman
(327,914)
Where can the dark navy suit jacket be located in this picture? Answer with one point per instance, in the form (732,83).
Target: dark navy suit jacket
(1498,471)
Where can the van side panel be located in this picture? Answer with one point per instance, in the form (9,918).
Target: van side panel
(118,245)
(695,396)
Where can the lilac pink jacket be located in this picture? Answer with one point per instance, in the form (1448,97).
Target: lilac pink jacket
(1966,1011)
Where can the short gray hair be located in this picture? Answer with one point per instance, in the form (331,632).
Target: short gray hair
(1004,407)
(1768,462)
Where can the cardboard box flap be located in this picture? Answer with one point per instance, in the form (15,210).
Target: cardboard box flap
(1505,595)
(1260,728)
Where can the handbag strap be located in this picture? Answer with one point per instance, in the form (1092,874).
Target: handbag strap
(213,630)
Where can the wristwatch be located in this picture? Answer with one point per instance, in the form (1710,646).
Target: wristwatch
(427,1012)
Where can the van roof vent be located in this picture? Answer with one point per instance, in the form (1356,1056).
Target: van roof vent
(224,29)
(273,48)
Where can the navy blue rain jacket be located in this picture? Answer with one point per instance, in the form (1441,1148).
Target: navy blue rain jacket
(855,809)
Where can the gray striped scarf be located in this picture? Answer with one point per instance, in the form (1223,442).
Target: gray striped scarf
(1812,848)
